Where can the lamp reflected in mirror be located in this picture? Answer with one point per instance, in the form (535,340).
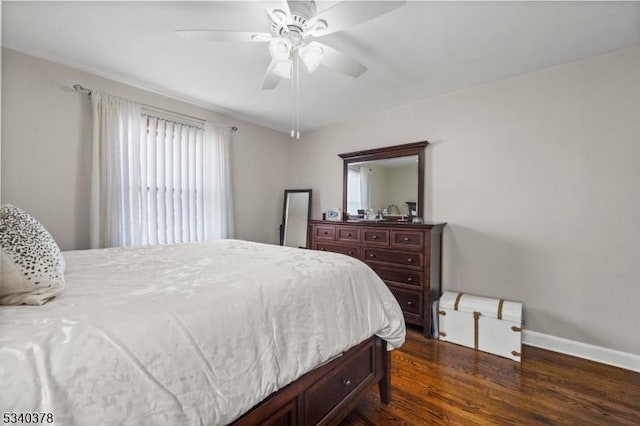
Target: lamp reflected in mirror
(295,217)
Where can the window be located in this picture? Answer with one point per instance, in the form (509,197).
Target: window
(353,190)
(172,181)
(358,188)
(157,179)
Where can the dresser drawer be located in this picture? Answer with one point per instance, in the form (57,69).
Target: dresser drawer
(324,232)
(407,257)
(353,251)
(348,234)
(410,301)
(411,260)
(399,276)
(406,239)
(324,395)
(285,416)
(376,237)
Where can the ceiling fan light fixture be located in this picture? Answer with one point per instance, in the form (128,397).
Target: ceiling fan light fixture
(318,29)
(280,49)
(278,16)
(311,56)
(283,68)
(260,37)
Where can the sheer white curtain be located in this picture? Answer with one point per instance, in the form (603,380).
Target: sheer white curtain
(115,178)
(155,180)
(217,196)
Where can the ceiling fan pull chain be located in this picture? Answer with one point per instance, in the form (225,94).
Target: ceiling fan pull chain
(297,94)
(293,103)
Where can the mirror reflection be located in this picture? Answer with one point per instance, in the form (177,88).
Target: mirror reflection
(386,187)
(295,217)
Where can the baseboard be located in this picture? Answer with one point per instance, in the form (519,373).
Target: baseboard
(582,350)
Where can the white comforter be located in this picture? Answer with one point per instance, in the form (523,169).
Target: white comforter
(186,334)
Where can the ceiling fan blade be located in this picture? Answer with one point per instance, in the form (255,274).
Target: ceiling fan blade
(270,79)
(285,6)
(334,59)
(347,14)
(222,35)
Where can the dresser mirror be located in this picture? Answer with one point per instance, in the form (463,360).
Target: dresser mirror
(295,217)
(384,183)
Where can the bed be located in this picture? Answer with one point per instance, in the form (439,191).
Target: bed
(206,333)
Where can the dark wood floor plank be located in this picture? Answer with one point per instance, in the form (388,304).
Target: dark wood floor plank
(437,383)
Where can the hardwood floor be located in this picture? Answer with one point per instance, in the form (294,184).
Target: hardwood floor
(438,383)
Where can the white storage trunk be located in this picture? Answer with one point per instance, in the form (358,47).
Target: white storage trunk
(489,325)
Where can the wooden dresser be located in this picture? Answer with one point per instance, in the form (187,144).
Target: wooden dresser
(406,256)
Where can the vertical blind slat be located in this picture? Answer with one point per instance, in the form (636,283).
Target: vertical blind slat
(184,156)
(199,186)
(160,192)
(177,195)
(168,179)
(192,183)
(144,183)
(152,153)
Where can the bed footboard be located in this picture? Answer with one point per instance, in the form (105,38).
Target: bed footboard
(327,394)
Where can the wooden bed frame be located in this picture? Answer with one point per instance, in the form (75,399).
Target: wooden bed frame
(327,394)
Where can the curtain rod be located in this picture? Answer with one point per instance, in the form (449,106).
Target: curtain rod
(81,89)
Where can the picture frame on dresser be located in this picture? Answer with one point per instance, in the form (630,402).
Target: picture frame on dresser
(406,255)
(334,215)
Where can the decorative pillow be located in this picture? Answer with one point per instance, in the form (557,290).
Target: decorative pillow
(32,266)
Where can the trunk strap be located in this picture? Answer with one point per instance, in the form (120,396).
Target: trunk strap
(455,306)
(476,318)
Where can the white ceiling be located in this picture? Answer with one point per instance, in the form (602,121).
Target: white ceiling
(420,50)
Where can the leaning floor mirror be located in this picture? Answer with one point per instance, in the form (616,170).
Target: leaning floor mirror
(295,217)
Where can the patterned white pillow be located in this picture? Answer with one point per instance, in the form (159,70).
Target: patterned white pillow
(32,266)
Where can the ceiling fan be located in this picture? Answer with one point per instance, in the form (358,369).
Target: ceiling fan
(295,28)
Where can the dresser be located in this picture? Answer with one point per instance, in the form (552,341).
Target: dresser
(406,256)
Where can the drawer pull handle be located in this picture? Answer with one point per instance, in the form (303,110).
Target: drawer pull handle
(321,248)
(348,234)
(409,260)
(409,279)
(375,237)
(346,382)
(325,232)
(372,256)
(409,303)
(349,252)
(406,238)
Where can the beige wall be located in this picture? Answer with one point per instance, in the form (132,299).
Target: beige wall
(46,151)
(402,186)
(377,186)
(539,180)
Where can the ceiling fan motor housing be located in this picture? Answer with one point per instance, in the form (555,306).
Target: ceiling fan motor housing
(304,9)
(301,12)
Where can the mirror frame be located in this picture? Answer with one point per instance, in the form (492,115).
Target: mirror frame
(284,213)
(415,148)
